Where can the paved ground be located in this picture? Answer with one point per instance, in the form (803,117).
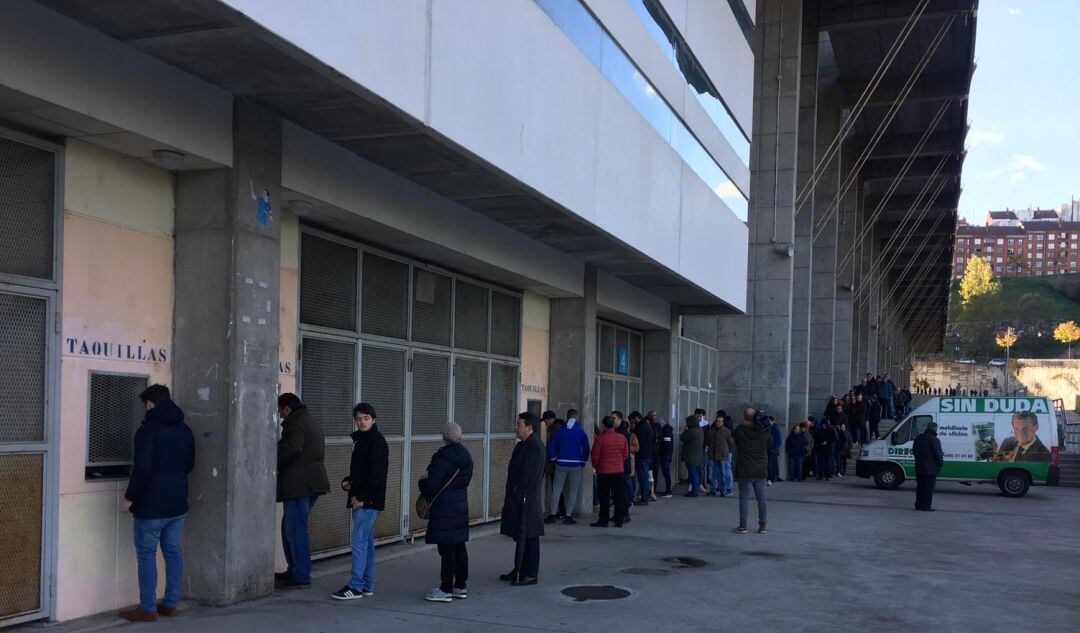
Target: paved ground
(839,556)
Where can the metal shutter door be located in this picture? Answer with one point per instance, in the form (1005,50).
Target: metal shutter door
(431,302)
(470,394)
(620,397)
(501,450)
(504,391)
(388,523)
(382,385)
(329,520)
(328,383)
(384,306)
(20,523)
(421,453)
(430,393)
(476,486)
(505,324)
(471,317)
(23,367)
(604,398)
(634,396)
(327,283)
(27,209)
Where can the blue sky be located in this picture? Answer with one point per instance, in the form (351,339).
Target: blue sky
(1024,142)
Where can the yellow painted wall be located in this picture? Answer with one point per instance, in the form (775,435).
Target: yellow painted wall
(117,317)
(536,313)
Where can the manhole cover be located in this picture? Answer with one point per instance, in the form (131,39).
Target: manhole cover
(581,593)
(685,561)
(768,555)
(645,571)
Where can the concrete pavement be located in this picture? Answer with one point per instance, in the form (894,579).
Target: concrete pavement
(839,556)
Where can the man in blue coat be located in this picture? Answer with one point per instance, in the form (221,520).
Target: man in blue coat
(568,449)
(157,496)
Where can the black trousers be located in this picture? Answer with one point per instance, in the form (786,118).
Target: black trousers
(924,491)
(527,558)
(612,487)
(454,572)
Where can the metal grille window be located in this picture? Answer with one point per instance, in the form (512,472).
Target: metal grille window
(385,302)
(421,453)
(27,209)
(328,383)
(115,414)
(327,283)
(635,354)
(430,393)
(605,362)
(605,398)
(382,375)
(476,486)
(23,367)
(471,317)
(501,450)
(328,523)
(470,395)
(505,324)
(684,362)
(621,393)
(633,396)
(431,307)
(697,380)
(20,523)
(504,392)
(388,523)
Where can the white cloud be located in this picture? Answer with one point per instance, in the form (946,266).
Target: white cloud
(1017,169)
(979,137)
(1021,162)
(1014,11)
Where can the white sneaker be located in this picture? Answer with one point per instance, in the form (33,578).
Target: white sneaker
(768,483)
(438,595)
(459,594)
(368,593)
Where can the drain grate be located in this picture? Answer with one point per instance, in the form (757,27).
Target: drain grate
(582,593)
(685,561)
(768,555)
(646,571)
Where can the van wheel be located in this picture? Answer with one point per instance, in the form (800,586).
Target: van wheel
(1014,483)
(888,478)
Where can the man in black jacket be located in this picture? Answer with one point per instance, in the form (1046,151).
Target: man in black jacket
(665,446)
(301,478)
(928,461)
(522,513)
(646,443)
(157,496)
(366,485)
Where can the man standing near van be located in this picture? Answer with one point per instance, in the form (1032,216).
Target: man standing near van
(157,495)
(928,461)
(301,479)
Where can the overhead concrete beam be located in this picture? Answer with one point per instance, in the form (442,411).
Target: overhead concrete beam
(886,13)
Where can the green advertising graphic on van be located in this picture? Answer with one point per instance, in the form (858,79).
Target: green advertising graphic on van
(1012,442)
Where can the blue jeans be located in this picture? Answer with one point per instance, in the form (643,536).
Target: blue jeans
(716,475)
(744,500)
(148,534)
(725,473)
(362,541)
(644,469)
(294,536)
(695,478)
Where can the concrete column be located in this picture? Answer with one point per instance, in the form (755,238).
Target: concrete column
(756,353)
(572,361)
(660,375)
(845,283)
(804,225)
(225,363)
(825,252)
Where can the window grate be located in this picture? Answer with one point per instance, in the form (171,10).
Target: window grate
(504,397)
(385,302)
(501,450)
(621,394)
(329,520)
(27,209)
(383,387)
(328,383)
(431,301)
(388,523)
(471,317)
(505,324)
(605,399)
(470,394)
(115,414)
(634,396)
(430,393)
(23,367)
(327,283)
(20,523)
(635,354)
(605,362)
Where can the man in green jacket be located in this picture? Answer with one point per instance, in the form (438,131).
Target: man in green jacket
(752,444)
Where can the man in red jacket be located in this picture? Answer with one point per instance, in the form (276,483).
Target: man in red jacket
(609,453)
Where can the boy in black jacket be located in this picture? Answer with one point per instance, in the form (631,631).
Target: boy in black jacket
(366,485)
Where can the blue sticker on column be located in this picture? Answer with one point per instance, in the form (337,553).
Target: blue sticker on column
(264,210)
(624,361)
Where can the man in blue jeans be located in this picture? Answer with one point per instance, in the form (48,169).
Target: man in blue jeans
(366,485)
(157,496)
(301,478)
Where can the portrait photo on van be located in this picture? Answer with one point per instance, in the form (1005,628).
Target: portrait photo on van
(1024,444)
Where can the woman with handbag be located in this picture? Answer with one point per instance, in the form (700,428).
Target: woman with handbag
(444,502)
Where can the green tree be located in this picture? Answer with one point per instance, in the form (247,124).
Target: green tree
(977,282)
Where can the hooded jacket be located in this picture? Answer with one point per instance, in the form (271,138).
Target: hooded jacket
(300,454)
(569,446)
(665,443)
(367,469)
(693,446)
(164,456)
(448,523)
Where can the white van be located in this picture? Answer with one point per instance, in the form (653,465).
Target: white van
(1012,442)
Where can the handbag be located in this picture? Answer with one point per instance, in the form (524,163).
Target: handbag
(423,505)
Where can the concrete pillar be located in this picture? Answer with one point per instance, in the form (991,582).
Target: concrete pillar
(845,283)
(572,361)
(804,225)
(225,364)
(755,357)
(825,247)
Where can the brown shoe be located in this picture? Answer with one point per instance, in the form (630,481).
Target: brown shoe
(137,615)
(169,612)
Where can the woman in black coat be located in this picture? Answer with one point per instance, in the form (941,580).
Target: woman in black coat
(447,482)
